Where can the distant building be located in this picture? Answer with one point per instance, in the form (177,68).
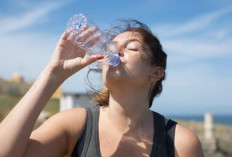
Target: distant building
(16,78)
(73,100)
(14,85)
(17,85)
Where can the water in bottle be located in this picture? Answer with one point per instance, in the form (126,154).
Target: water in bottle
(103,45)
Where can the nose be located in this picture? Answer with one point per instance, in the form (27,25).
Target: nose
(120,53)
(120,50)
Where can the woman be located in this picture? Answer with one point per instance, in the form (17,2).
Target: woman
(122,125)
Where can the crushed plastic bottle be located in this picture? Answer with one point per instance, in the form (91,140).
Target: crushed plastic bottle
(103,45)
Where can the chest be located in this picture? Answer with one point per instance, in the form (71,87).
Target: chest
(113,144)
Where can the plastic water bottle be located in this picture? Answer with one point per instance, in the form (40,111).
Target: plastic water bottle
(103,46)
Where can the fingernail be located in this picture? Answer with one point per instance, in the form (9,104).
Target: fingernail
(100,57)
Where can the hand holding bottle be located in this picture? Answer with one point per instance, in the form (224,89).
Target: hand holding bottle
(68,58)
(103,46)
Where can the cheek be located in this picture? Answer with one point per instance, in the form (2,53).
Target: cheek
(137,67)
(133,62)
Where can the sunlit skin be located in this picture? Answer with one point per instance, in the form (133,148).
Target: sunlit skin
(132,68)
(125,126)
(128,114)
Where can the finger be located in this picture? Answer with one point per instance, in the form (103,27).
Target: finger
(72,33)
(79,31)
(72,36)
(92,41)
(86,34)
(91,59)
(64,35)
(83,28)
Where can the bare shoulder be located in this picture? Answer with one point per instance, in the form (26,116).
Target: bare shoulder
(73,123)
(71,120)
(72,117)
(187,143)
(62,129)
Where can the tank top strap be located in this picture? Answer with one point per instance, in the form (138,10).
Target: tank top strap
(170,127)
(88,142)
(159,148)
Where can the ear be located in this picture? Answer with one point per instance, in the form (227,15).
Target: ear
(157,74)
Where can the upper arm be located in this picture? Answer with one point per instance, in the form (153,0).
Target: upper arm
(56,136)
(187,143)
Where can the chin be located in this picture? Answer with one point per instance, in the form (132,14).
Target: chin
(111,76)
(114,75)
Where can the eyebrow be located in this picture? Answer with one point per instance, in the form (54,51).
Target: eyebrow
(129,40)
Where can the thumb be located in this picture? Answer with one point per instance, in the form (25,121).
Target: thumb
(91,59)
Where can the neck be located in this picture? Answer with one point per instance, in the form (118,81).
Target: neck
(128,108)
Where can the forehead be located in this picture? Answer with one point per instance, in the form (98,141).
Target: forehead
(128,35)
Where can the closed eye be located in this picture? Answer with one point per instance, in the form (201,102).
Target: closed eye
(133,46)
(133,49)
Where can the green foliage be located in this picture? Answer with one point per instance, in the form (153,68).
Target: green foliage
(7,102)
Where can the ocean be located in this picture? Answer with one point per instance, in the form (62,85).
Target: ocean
(218,119)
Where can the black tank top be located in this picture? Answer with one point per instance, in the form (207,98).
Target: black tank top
(88,143)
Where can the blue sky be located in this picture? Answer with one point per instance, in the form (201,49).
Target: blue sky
(197,36)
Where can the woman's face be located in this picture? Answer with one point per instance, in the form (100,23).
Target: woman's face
(133,68)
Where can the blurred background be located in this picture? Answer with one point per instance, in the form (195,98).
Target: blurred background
(196,35)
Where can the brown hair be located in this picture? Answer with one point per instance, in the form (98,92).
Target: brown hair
(155,55)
